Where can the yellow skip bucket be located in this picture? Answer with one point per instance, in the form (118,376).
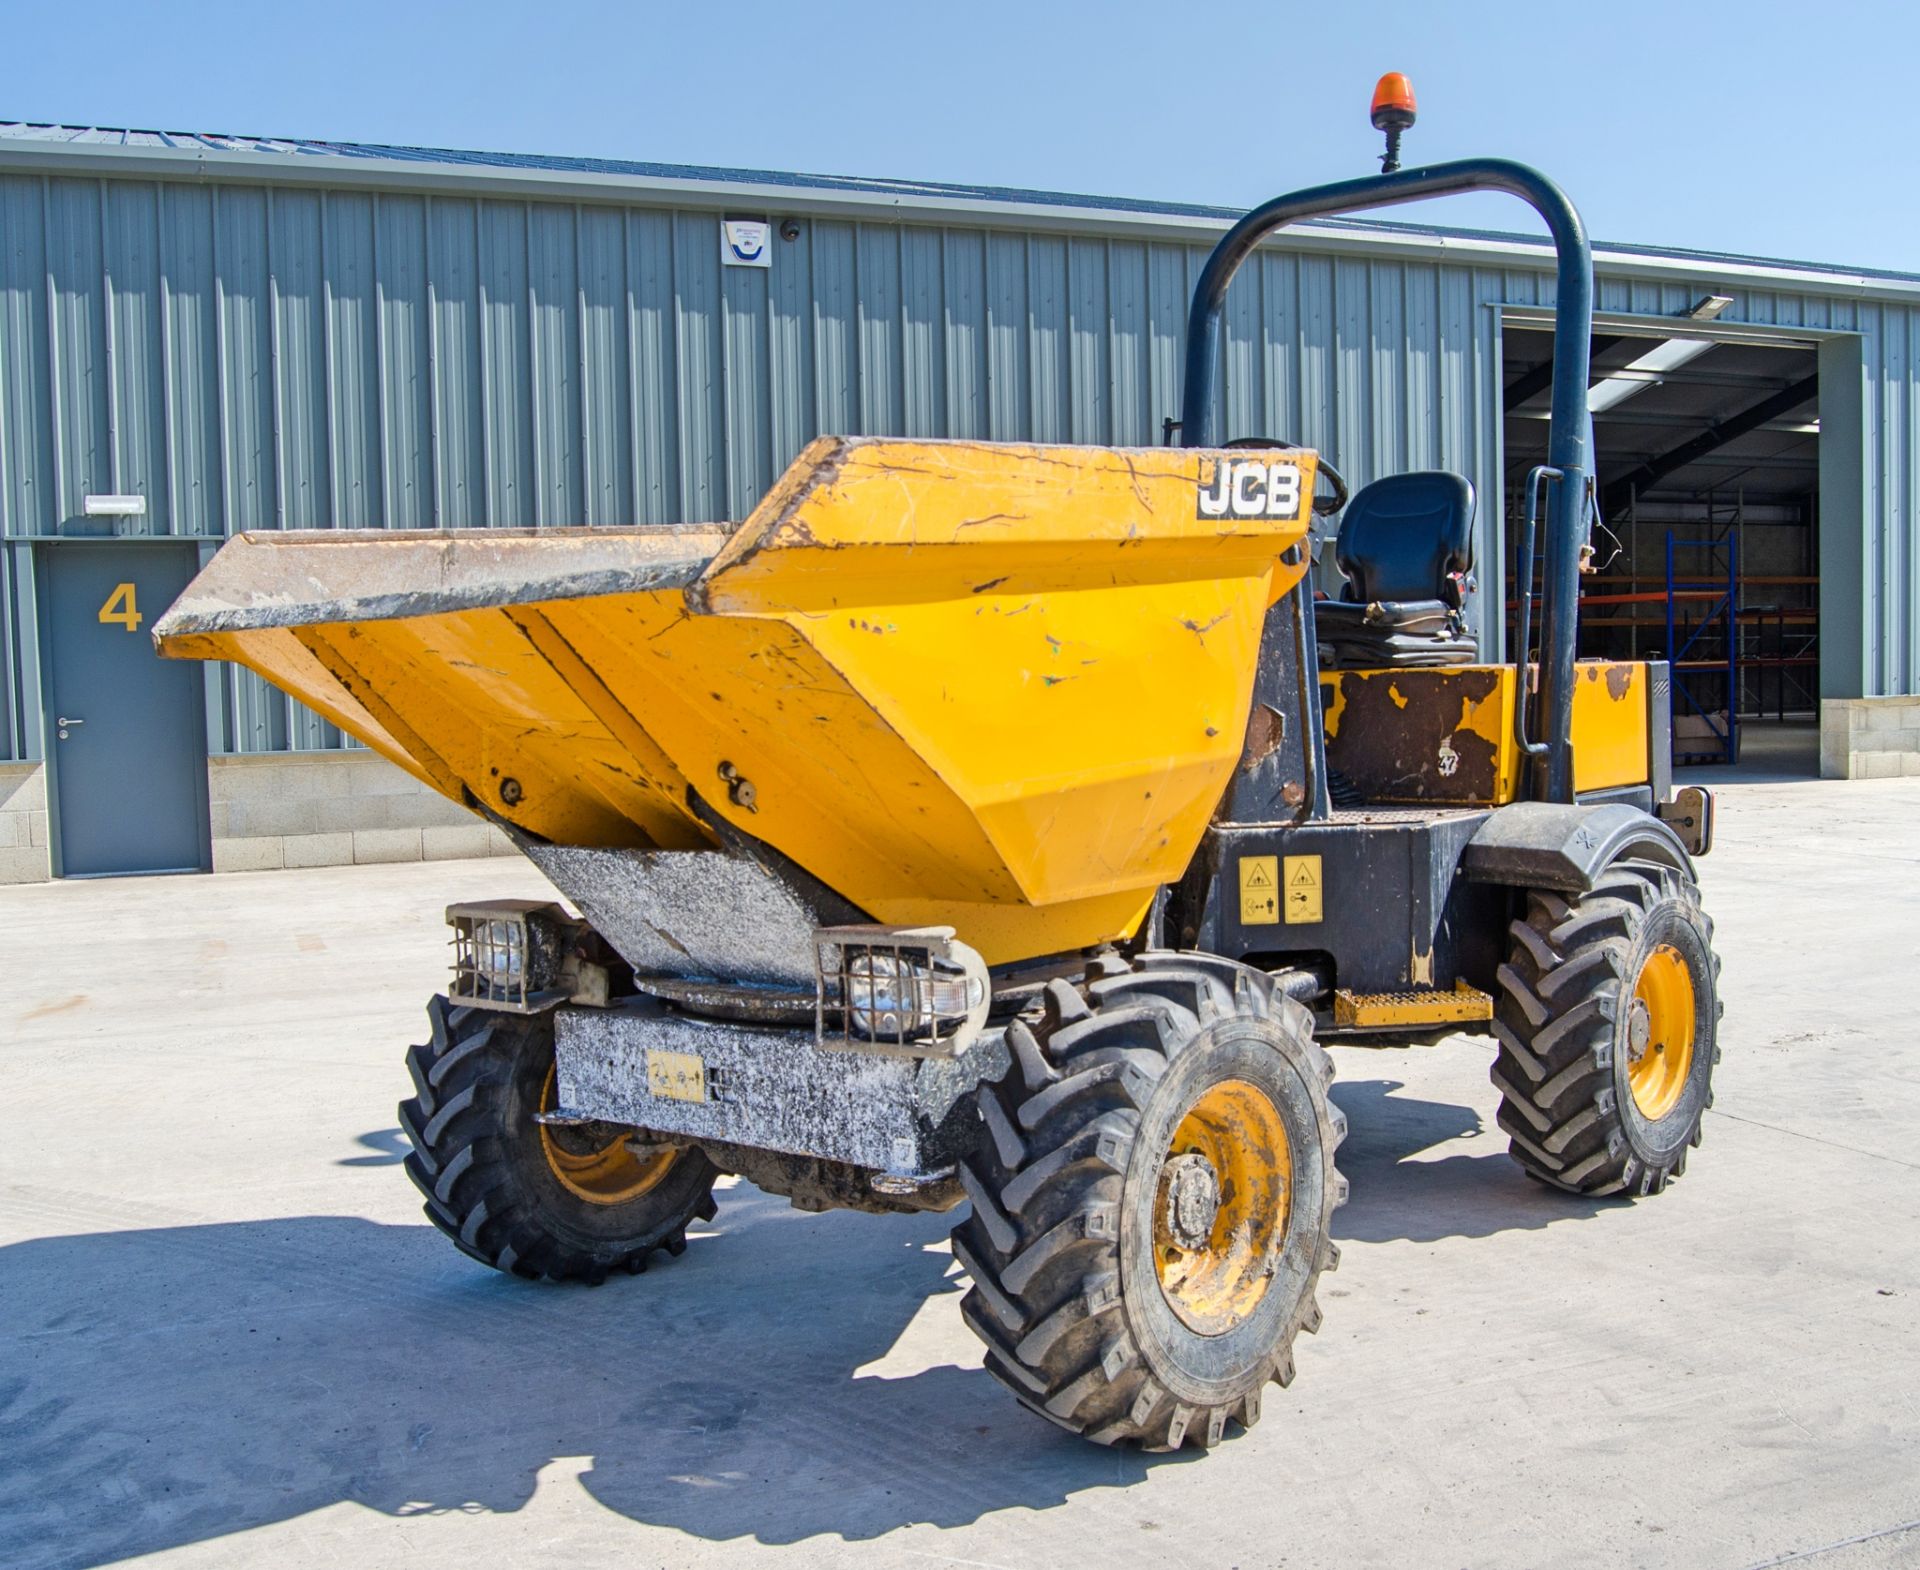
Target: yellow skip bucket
(998,687)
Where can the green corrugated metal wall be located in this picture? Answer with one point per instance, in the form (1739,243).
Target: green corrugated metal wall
(256,356)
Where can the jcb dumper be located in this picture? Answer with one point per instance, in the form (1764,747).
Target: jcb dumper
(1007,827)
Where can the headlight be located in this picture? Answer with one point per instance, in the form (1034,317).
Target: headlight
(508,954)
(913,989)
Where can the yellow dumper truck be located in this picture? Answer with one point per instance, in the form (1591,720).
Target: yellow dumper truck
(1003,829)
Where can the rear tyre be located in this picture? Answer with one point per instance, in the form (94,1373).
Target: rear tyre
(572,1203)
(1607,1020)
(1152,1193)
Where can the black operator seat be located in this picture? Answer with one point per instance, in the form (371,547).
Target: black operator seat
(1406,550)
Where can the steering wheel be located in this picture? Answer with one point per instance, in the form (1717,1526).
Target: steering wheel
(1327,498)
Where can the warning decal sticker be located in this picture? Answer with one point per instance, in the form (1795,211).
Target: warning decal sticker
(1259,891)
(1303,889)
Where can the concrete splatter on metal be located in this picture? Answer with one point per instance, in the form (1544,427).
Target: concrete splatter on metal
(689,914)
(773,1089)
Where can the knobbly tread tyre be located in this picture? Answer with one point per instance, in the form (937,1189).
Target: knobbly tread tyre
(1560,1022)
(1050,1297)
(478,1162)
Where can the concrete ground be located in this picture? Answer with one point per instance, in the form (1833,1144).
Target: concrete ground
(228,1338)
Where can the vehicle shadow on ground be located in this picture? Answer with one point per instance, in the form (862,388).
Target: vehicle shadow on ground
(164,1387)
(1393,1195)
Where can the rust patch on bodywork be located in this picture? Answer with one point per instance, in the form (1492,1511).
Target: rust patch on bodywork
(1266,729)
(1420,735)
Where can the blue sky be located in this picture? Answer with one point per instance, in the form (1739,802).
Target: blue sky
(1770,128)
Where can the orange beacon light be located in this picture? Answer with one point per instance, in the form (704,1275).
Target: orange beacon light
(1393,111)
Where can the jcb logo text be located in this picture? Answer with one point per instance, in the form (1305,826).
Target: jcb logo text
(1250,488)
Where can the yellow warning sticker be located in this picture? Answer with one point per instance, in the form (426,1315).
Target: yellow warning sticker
(1303,889)
(1259,891)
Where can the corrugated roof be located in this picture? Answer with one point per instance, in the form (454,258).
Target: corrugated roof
(109,136)
(984,196)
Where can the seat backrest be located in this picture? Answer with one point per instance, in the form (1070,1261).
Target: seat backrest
(1405,537)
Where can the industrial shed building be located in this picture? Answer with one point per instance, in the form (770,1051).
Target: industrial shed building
(202,334)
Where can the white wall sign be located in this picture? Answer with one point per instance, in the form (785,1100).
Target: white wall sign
(116,506)
(744,242)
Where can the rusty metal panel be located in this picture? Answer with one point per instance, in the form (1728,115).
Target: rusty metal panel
(1447,735)
(1423,735)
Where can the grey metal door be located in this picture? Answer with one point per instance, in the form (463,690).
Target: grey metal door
(126,730)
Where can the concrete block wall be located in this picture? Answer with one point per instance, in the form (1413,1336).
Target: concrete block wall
(23,823)
(281,810)
(1869,738)
(335,810)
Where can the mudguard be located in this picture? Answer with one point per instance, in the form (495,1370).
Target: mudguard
(1543,845)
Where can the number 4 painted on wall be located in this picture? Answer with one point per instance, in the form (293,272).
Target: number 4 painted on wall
(121,608)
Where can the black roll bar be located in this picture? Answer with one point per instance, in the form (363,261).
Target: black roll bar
(1569,498)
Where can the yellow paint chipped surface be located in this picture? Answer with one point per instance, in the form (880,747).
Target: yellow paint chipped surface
(1610,738)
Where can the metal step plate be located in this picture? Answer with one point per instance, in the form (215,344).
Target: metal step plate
(1389,1010)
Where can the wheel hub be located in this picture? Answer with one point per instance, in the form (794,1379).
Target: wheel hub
(1221,1210)
(1639,1029)
(1660,1032)
(1192,1200)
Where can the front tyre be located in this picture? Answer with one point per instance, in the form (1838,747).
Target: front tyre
(1607,1022)
(1151,1198)
(568,1203)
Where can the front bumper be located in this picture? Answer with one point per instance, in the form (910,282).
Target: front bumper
(906,1119)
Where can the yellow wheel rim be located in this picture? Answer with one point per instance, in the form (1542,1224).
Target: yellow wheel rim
(1660,1033)
(1220,1211)
(610,1174)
